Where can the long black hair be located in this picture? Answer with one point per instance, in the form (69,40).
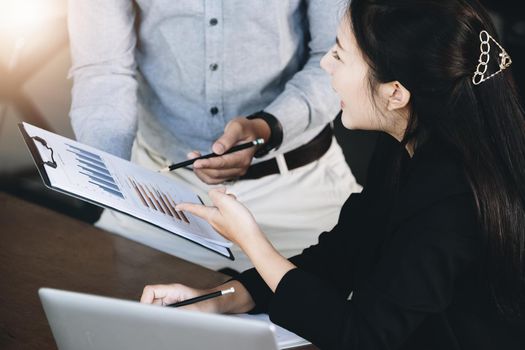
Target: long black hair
(432,47)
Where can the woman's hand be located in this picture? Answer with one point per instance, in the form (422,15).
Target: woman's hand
(235,222)
(228,217)
(164,294)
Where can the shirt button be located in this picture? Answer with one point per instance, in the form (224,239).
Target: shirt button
(213,22)
(214,110)
(214,66)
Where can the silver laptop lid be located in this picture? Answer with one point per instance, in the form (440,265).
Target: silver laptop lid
(83,321)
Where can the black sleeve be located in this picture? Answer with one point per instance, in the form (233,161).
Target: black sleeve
(414,278)
(332,246)
(317,259)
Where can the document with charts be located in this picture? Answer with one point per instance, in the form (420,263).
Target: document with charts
(98,177)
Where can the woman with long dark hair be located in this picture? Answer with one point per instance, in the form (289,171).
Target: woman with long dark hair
(431,254)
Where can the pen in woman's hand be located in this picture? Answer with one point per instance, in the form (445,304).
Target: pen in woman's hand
(202,297)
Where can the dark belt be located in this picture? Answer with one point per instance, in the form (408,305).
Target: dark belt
(295,158)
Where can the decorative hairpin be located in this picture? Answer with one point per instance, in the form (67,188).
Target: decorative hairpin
(484,58)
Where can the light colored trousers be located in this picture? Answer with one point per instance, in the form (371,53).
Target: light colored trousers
(292,208)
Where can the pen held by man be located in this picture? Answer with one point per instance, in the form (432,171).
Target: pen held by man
(256,142)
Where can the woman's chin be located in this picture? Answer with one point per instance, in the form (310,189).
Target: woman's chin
(348,122)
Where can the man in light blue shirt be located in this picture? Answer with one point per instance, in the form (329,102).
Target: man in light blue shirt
(158,81)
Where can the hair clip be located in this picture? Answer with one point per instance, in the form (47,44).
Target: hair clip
(484,58)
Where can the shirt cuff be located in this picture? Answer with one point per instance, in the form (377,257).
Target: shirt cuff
(93,126)
(298,113)
(293,113)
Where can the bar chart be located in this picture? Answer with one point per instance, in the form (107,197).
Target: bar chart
(94,170)
(157,200)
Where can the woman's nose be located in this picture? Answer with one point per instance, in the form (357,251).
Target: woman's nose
(325,63)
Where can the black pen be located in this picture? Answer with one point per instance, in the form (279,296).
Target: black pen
(236,148)
(203,297)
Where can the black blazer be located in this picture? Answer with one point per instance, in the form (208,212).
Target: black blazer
(408,252)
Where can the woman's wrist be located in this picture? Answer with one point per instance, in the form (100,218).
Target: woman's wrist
(235,303)
(252,239)
(268,262)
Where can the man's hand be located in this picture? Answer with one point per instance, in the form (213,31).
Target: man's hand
(230,166)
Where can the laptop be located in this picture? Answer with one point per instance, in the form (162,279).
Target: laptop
(84,321)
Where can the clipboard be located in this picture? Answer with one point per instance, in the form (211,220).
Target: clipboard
(94,176)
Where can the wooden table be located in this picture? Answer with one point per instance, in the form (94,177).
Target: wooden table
(39,247)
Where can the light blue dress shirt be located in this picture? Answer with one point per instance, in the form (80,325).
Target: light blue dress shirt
(179,70)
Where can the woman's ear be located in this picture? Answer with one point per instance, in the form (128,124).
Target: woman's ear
(396,95)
